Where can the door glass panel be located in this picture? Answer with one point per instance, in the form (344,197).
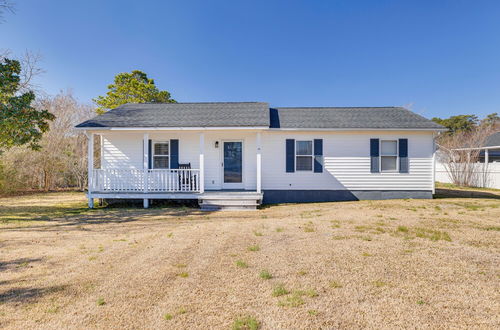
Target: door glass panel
(233,162)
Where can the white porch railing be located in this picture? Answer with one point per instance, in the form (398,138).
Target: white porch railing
(157,181)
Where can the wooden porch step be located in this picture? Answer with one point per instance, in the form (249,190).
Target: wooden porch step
(238,200)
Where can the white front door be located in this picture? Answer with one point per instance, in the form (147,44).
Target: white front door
(232,164)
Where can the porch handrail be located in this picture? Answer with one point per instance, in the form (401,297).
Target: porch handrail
(152,180)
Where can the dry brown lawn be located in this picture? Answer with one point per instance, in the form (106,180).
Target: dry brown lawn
(372,264)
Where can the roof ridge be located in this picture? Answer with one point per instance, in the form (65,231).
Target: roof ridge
(234,102)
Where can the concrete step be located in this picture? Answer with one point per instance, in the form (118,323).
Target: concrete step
(229,201)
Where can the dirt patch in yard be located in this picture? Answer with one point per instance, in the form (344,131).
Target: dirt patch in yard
(397,263)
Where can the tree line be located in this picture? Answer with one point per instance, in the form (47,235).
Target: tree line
(39,147)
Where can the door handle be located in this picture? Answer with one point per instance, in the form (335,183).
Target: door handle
(222,164)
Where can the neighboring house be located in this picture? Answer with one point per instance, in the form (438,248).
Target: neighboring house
(243,153)
(486,171)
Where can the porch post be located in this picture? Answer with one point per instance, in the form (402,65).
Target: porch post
(202,162)
(259,163)
(90,161)
(145,166)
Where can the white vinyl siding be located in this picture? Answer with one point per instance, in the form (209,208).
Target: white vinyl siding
(122,150)
(347,162)
(346,158)
(125,150)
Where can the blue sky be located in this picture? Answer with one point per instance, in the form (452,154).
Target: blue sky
(439,57)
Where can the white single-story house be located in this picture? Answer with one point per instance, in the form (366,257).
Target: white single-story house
(241,154)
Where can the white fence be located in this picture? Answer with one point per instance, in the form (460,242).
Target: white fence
(488,177)
(132,180)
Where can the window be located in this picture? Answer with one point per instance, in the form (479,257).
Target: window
(304,156)
(389,156)
(161,155)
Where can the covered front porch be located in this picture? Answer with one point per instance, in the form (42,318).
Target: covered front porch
(214,167)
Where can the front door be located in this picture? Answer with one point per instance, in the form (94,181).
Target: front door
(232,164)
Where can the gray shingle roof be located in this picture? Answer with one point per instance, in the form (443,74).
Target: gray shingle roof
(493,140)
(184,115)
(251,114)
(366,118)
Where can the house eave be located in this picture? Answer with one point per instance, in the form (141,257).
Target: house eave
(252,128)
(172,128)
(360,129)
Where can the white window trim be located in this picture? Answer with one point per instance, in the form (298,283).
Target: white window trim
(397,156)
(312,156)
(153,155)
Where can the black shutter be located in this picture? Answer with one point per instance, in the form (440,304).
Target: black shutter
(174,154)
(318,155)
(290,155)
(150,155)
(374,155)
(403,156)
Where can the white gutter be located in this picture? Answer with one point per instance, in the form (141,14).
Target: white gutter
(170,128)
(254,128)
(360,129)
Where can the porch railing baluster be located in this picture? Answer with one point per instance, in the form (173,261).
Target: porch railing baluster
(156,180)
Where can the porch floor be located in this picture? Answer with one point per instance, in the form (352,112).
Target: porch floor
(208,200)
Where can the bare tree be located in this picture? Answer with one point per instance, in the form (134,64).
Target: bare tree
(460,153)
(62,162)
(30,69)
(5,6)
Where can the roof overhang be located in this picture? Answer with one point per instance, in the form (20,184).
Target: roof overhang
(171,128)
(360,129)
(253,128)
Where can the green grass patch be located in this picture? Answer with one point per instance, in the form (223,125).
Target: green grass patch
(280,290)
(101,302)
(253,248)
(265,274)
(433,235)
(183,274)
(335,285)
(279,229)
(246,323)
(241,264)
(403,229)
(257,233)
(295,300)
(168,316)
